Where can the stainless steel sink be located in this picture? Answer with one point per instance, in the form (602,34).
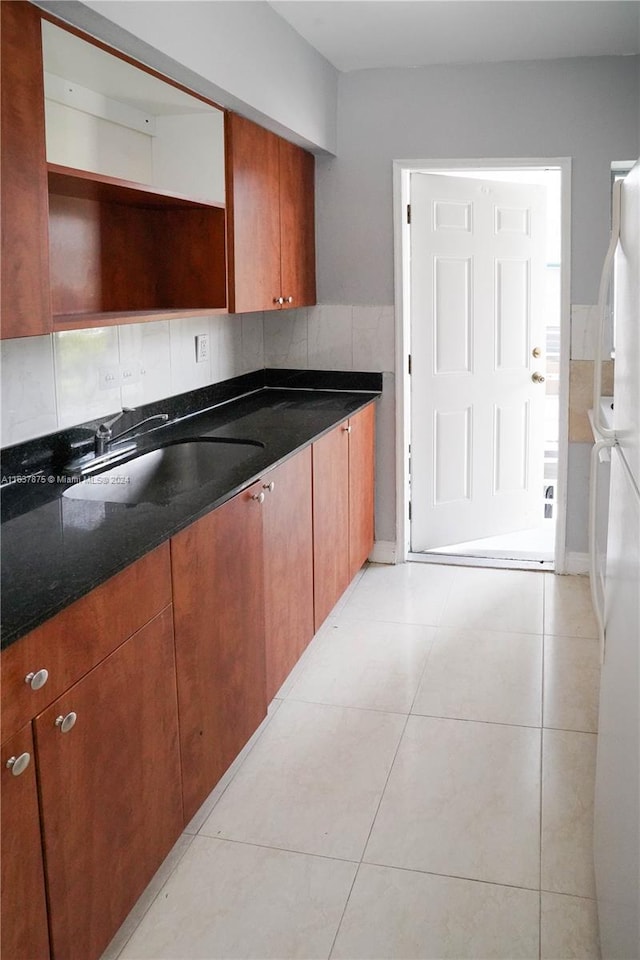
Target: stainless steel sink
(160,475)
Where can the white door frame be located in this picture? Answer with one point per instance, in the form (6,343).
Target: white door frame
(402,170)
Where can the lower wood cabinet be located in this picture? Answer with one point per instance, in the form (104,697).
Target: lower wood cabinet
(111,804)
(23,933)
(217,566)
(288,567)
(343,500)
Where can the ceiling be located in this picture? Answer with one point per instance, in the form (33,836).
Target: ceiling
(363,34)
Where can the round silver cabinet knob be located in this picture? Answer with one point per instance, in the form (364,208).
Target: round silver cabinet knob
(66,723)
(278,300)
(258,496)
(347,429)
(37,679)
(18,765)
(288,299)
(269,486)
(537,377)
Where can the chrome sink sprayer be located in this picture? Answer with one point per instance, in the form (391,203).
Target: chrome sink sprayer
(103,437)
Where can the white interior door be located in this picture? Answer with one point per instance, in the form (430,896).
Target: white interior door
(477,411)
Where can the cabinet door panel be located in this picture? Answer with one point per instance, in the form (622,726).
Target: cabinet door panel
(361,487)
(330,521)
(288,567)
(24,934)
(26,310)
(297,225)
(110,789)
(218,591)
(253,209)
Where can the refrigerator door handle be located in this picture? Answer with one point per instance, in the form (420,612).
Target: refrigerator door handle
(605,279)
(596,454)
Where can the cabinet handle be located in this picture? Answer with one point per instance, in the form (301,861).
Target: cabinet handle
(67,723)
(269,486)
(258,496)
(288,299)
(278,300)
(37,679)
(18,765)
(347,429)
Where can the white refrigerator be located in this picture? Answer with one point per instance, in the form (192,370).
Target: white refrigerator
(617,796)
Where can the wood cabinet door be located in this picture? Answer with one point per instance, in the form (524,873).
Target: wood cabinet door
(110,789)
(288,567)
(218,593)
(330,520)
(253,215)
(24,934)
(361,487)
(297,226)
(26,310)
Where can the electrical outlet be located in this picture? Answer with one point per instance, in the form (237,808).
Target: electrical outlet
(202,347)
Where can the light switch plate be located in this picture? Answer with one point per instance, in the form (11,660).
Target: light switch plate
(202,347)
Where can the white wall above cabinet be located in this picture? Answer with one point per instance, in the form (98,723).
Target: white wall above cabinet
(107,116)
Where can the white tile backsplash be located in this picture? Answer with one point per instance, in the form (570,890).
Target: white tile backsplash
(145,348)
(286,338)
(330,337)
(28,389)
(86,362)
(373,331)
(57,381)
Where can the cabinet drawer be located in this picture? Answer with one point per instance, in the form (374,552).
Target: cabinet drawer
(79,637)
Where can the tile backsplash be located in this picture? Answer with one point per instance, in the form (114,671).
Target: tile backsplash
(56,381)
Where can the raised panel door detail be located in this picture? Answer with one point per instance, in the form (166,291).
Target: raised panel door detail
(110,789)
(512,220)
(512,313)
(23,934)
(511,447)
(452,215)
(452,455)
(452,315)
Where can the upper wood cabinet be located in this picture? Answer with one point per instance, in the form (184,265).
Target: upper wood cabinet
(271,220)
(26,309)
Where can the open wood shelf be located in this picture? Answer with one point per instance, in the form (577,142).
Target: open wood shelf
(121,252)
(84,185)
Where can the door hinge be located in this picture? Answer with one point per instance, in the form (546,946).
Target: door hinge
(408,213)
(409,364)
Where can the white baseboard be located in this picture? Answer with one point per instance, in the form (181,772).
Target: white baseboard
(577,563)
(384,551)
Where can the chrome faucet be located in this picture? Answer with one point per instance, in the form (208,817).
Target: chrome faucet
(103,437)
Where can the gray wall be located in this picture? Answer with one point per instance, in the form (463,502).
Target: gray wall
(582,108)
(242,55)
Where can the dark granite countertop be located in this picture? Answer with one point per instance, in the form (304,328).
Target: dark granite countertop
(55,549)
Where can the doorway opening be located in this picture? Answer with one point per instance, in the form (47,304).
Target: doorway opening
(485,317)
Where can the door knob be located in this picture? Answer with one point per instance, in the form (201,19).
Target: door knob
(536,352)
(537,377)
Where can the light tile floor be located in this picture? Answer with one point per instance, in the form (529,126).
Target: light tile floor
(421,788)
